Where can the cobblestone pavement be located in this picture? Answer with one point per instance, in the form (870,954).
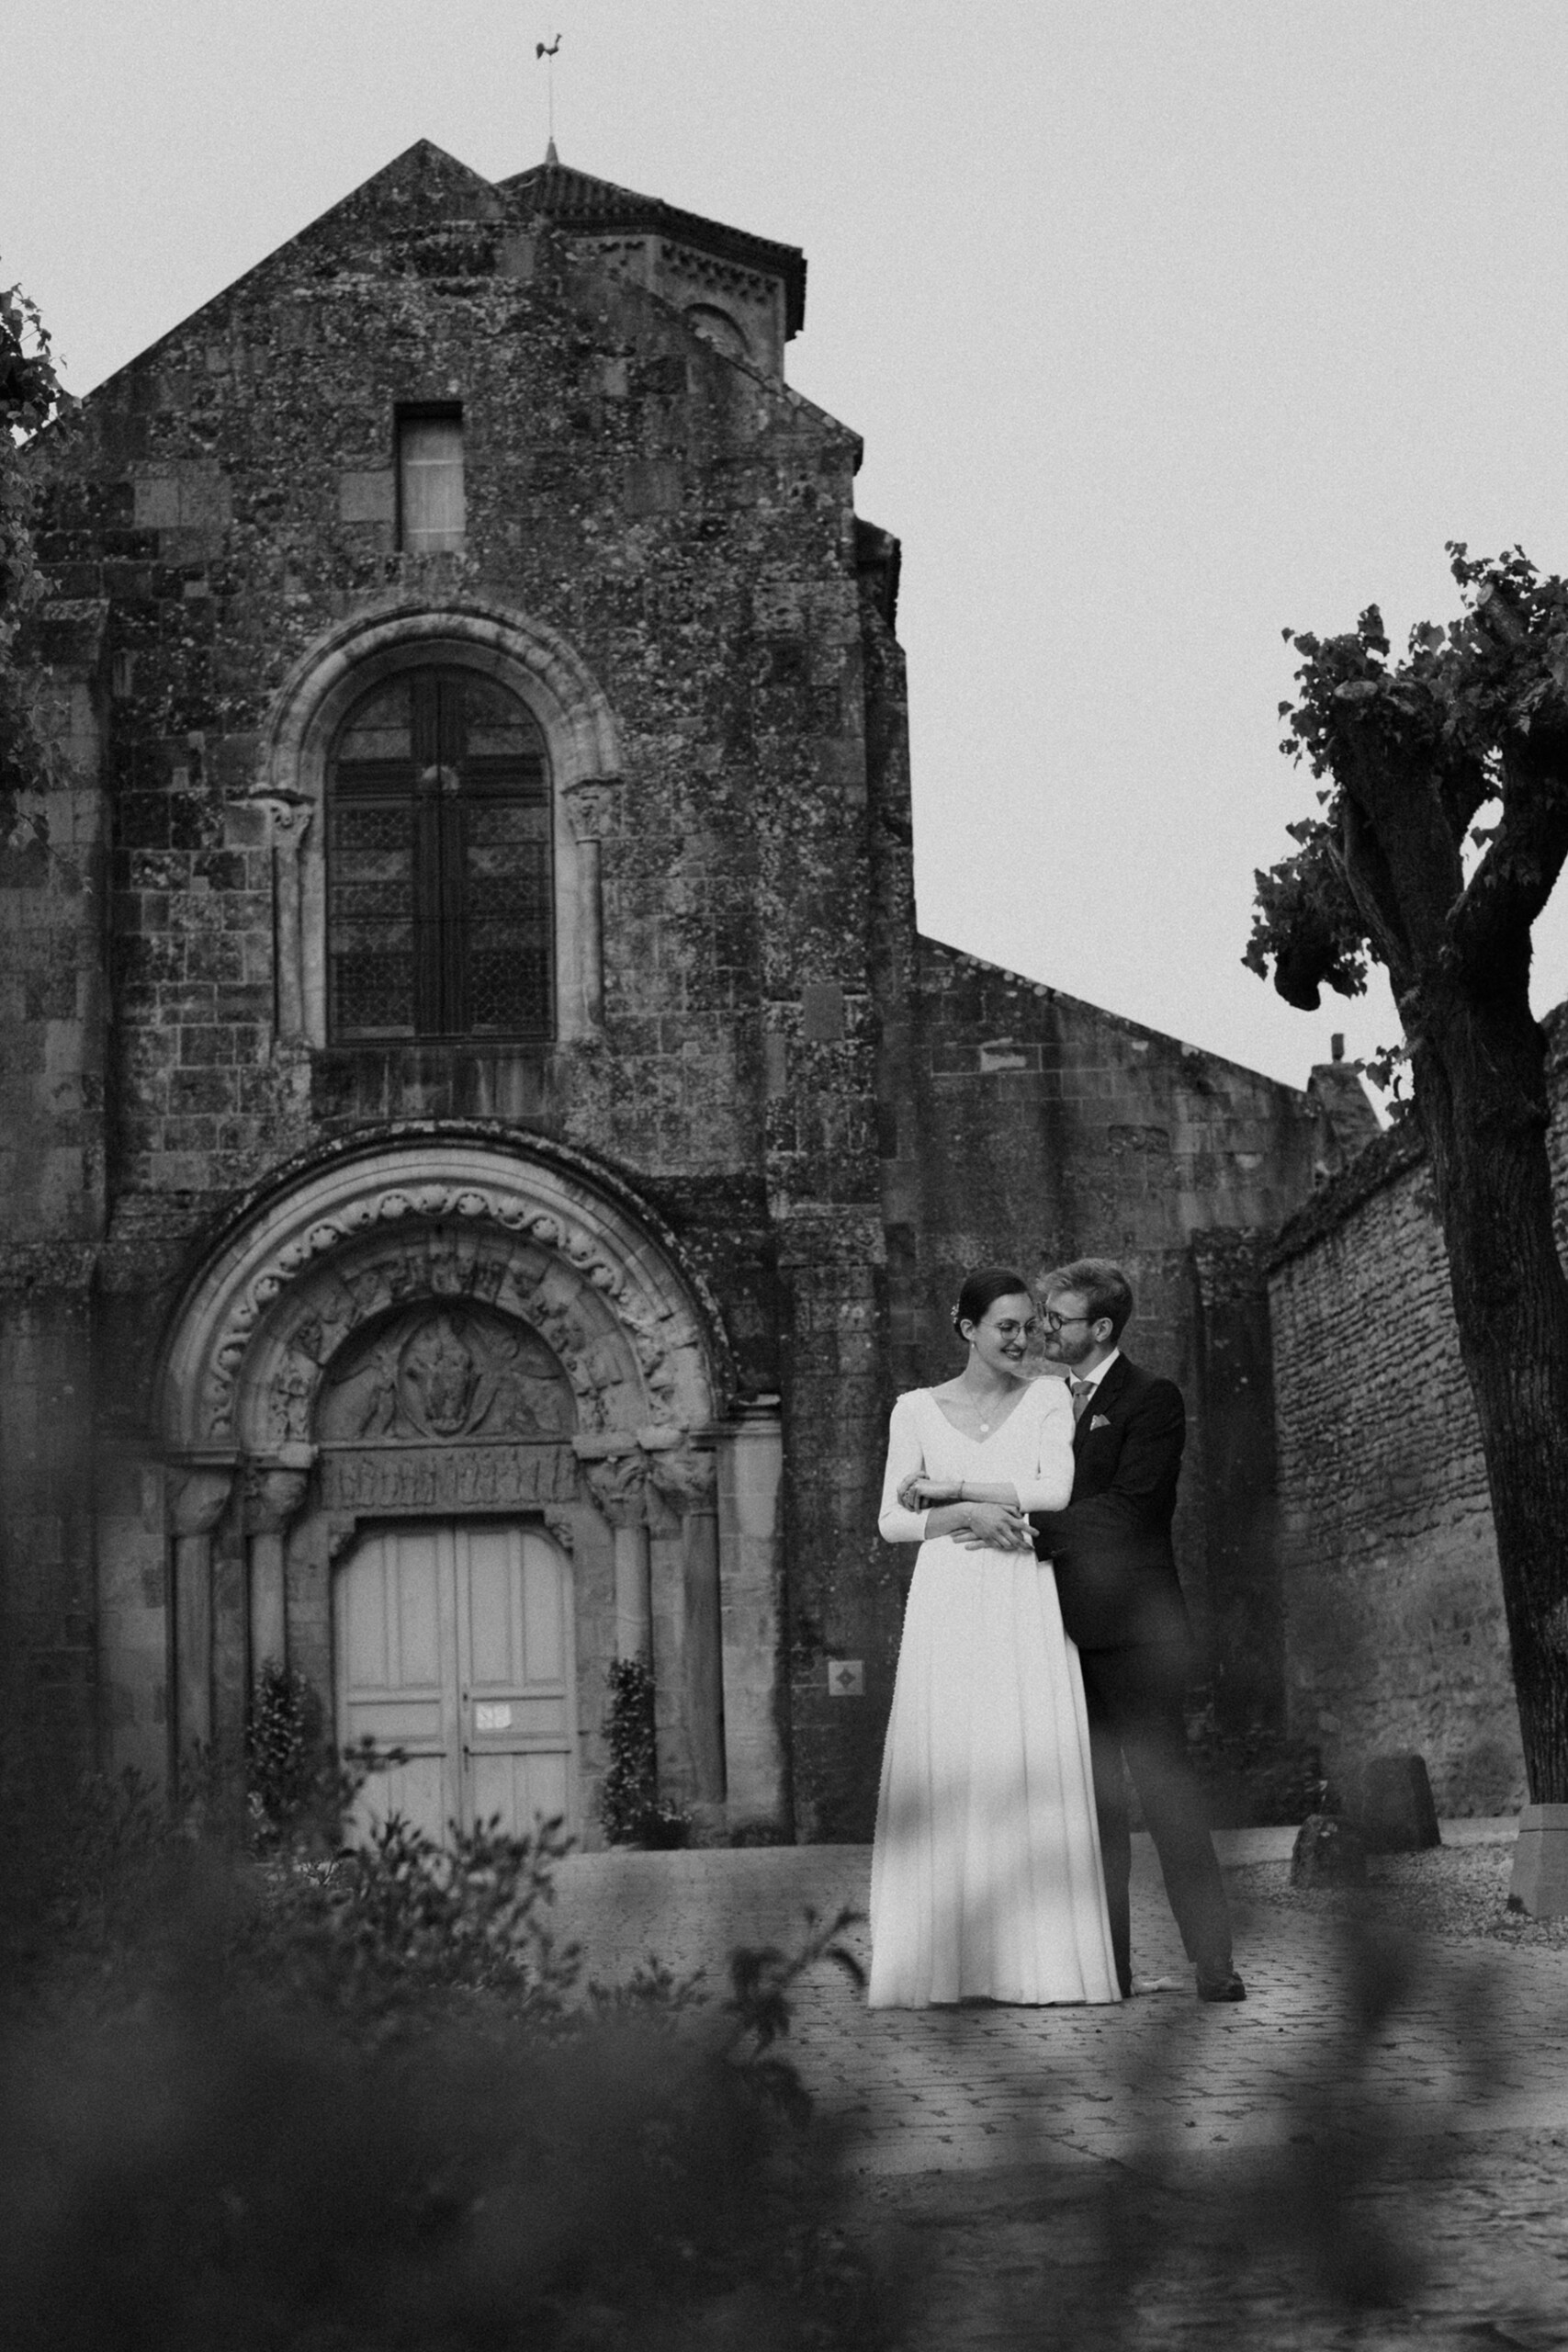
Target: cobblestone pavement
(1167,2170)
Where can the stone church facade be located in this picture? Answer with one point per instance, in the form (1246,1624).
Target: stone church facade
(485,1138)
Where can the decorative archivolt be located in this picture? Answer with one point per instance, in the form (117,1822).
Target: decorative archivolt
(512,1242)
(565,696)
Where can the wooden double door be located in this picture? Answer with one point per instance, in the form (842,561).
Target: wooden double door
(454,1643)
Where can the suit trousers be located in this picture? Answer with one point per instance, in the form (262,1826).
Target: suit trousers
(1134,1711)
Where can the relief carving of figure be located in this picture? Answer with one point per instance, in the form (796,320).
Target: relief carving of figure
(289,1406)
(529,1397)
(439,1376)
(454,1375)
(381,1404)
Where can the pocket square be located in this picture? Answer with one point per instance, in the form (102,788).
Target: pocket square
(1100,1422)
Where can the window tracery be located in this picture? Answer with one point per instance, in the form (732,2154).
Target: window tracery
(439,885)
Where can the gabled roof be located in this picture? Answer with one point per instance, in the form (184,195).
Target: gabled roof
(577,200)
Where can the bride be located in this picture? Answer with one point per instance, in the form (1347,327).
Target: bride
(985,1878)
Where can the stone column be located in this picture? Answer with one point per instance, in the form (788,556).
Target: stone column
(290,827)
(618,1484)
(682,1476)
(750,1474)
(287,823)
(198,1501)
(588,811)
(272,1498)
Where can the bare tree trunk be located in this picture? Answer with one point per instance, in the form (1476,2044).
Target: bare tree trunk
(1481,1102)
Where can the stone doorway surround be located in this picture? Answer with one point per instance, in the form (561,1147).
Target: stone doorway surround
(463,1323)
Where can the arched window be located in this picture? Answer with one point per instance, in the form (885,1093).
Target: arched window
(438,864)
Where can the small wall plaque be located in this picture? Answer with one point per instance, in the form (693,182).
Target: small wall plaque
(846,1677)
(493,1717)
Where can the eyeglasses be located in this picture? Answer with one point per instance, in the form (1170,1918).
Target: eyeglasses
(1054,1322)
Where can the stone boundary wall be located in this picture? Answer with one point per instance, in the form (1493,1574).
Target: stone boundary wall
(1394,1630)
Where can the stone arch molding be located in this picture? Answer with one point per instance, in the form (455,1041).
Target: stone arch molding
(582,738)
(262,1324)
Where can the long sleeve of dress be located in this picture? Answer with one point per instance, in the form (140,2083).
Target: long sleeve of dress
(907,1459)
(1052,1489)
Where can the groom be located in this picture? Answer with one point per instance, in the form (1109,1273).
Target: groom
(1122,1604)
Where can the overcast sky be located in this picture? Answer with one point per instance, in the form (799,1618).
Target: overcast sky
(1165,322)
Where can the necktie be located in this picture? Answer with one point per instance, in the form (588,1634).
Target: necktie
(1082,1391)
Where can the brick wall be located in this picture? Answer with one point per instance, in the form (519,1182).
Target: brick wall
(1395,1635)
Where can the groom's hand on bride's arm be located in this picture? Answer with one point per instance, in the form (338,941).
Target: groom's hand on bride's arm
(993,1527)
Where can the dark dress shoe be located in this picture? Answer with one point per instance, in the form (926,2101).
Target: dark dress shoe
(1223,1985)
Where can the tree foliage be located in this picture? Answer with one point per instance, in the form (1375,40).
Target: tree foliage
(31,398)
(1472,723)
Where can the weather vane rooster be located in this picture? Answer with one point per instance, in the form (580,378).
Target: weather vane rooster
(547,49)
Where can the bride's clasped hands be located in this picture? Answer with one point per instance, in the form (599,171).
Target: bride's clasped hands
(981,1524)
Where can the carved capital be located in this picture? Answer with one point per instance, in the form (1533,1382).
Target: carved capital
(197,1498)
(288,814)
(619,1486)
(684,1476)
(272,1498)
(291,823)
(591,808)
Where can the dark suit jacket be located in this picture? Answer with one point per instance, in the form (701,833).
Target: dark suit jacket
(1115,1568)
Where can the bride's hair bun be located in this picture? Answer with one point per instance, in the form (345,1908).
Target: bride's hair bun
(981,1289)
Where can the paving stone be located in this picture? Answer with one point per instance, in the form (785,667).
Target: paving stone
(1475,2040)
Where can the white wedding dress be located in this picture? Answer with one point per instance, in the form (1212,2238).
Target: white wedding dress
(986,1879)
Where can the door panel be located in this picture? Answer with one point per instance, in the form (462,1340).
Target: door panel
(394,1624)
(455,1643)
(521,1788)
(514,1628)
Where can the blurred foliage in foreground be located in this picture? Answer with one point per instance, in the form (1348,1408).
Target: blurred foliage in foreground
(328,2102)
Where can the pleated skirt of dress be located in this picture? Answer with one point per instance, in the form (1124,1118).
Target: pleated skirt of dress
(985,1877)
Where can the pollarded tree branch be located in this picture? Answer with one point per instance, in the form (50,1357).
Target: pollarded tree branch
(1525,855)
(1402,854)
(1371,886)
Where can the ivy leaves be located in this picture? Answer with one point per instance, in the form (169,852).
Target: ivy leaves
(31,397)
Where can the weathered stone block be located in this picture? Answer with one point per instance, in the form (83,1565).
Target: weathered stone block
(1390,1801)
(369,497)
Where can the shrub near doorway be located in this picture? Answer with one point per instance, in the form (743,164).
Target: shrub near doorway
(630,1809)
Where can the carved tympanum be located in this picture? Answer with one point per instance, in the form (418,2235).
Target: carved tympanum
(451,1376)
(292,1305)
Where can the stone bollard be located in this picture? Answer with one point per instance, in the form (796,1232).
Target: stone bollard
(1539,1884)
(1327,1853)
(1390,1801)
